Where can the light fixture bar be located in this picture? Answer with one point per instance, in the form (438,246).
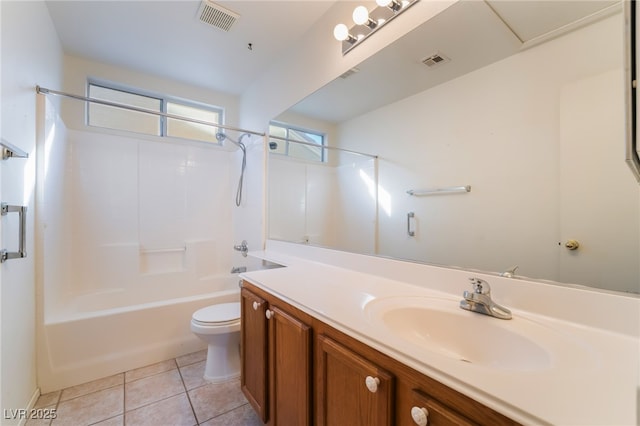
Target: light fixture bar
(376,19)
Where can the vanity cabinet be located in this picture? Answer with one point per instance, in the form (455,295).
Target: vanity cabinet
(276,361)
(342,381)
(351,390)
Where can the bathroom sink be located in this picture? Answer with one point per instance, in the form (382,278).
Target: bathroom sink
(440,326)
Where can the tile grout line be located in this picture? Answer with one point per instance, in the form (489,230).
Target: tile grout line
(187,393)
(124,398)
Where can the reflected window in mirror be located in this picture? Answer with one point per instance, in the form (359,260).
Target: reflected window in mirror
(296,142)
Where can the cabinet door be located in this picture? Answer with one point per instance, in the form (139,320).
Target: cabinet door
(290,354)
(427,410)
(351,390)
(254,379)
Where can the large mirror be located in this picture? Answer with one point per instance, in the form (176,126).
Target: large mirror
(518,106)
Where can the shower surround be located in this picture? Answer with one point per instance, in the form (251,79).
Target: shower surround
(133,236)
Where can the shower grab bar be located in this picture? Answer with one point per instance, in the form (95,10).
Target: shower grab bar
(448,190)
(11,151)
(163,250)
(45,91)
(22,232)
(410,232)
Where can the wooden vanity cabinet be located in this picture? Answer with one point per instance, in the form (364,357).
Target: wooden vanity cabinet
(351,390)
(297,370)
(254,352)
(276,361)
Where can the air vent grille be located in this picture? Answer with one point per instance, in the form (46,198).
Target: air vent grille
(349,73)
(435,59)
(216,15)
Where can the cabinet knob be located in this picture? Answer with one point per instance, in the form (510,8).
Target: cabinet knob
(420,416)
(372,383)
(269,314)
(256,305)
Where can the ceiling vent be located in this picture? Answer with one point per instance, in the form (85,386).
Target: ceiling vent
(216,15)
(435,60)
(349,73)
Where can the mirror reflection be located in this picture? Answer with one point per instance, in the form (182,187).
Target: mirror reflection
(524,109)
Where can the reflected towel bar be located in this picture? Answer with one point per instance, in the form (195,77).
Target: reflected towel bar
(163,250)
(448,190)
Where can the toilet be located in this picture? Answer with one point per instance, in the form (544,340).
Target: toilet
(219,326)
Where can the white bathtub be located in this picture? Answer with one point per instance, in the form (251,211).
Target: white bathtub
(101,334)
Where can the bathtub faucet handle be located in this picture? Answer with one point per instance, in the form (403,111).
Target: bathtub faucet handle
(242,248)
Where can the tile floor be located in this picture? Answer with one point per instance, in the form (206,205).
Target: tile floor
(171,393)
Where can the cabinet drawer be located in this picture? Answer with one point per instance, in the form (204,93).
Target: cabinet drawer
(432,411)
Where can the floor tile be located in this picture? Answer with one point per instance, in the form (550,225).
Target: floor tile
(45,411)
(152,389)
(242,416)
(96,385)
(174,411)
(193,375)
(91,408)
(214,399)
(150,370)
(191,358)
(113,421)
(48,399)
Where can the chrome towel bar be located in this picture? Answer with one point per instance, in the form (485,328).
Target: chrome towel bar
(11,151)
(448,190)
(22,232)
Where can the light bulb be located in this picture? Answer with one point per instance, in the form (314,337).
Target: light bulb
(341,32)
(360,15)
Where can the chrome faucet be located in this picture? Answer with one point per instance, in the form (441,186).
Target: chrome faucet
(480,300)
(242,248)
(509,273)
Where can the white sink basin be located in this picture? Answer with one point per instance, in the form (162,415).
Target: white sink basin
(440,326)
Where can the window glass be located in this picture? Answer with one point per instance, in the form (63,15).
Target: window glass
(311,147)
(134,121)
(121,118)
(189,130)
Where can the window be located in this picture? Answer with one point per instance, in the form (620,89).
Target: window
(311,147)
(111,117)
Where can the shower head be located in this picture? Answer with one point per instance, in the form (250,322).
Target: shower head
(222,136)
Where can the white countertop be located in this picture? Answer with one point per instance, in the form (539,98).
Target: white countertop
(593,373)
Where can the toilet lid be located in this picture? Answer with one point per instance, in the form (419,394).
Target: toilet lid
(221,313)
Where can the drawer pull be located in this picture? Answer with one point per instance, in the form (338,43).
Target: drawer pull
(372,383)
(269,314)
(256,305)
(420,416)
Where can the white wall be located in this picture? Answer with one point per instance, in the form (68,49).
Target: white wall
(31,55)
(501,130)
(316,59)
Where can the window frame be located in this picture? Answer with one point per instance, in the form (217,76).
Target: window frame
(165,100)
(287,140)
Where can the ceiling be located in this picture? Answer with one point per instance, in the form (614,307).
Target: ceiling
(471,34)
(166,38)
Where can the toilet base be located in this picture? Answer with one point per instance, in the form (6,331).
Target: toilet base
(223,358)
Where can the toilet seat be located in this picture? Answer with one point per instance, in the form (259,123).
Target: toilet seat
(218,315)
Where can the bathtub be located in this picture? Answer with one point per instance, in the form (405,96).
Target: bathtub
(105,333)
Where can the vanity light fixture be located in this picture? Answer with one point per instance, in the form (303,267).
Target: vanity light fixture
(369,21)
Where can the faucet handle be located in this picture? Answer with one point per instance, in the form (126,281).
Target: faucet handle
(480,286)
